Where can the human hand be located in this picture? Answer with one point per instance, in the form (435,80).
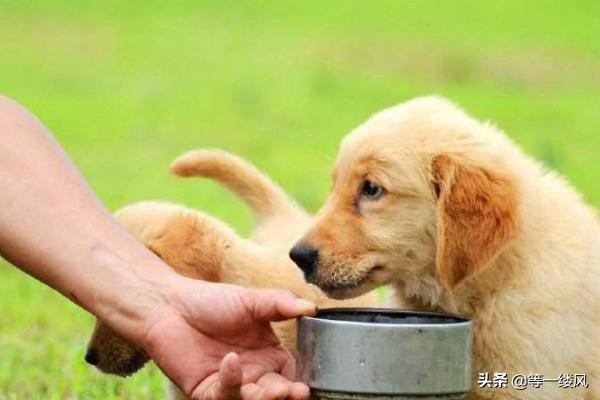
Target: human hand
(215,342)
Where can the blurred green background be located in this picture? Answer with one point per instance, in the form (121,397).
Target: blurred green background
(128,85)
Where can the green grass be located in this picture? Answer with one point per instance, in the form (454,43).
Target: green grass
(127,86)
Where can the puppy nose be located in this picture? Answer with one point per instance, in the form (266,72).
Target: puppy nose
(305,257)
(91,357)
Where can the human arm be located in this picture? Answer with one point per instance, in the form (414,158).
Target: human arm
(54,228)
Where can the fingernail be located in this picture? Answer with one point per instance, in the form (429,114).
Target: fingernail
(232,366)
(305,307)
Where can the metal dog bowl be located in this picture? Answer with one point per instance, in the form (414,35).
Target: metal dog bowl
(354,353)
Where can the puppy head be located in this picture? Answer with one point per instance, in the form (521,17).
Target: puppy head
(112,354)
(420,194)
(191,243)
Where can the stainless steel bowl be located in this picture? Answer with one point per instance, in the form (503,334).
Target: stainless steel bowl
(351,353)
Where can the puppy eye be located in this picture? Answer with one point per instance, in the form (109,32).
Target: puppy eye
(371,191)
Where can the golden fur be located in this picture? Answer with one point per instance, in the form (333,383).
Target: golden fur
(201,247)
(471,225)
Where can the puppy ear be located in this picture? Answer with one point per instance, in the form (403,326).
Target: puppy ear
(476,217)
(192,246)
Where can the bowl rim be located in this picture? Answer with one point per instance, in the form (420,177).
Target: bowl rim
(453,320)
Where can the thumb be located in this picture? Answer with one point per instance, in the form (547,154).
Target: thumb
(230,379)
(225,385)
(276,305)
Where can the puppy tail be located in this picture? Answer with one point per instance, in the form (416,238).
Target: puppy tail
(263,195)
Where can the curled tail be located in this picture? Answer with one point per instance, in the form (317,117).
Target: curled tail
(263,195)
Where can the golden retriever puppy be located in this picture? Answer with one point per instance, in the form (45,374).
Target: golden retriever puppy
(199,246)
(450,213)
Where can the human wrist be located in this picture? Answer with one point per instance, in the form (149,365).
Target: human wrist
(131,292)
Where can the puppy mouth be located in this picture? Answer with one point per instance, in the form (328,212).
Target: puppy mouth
(349,288)
(124,368)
